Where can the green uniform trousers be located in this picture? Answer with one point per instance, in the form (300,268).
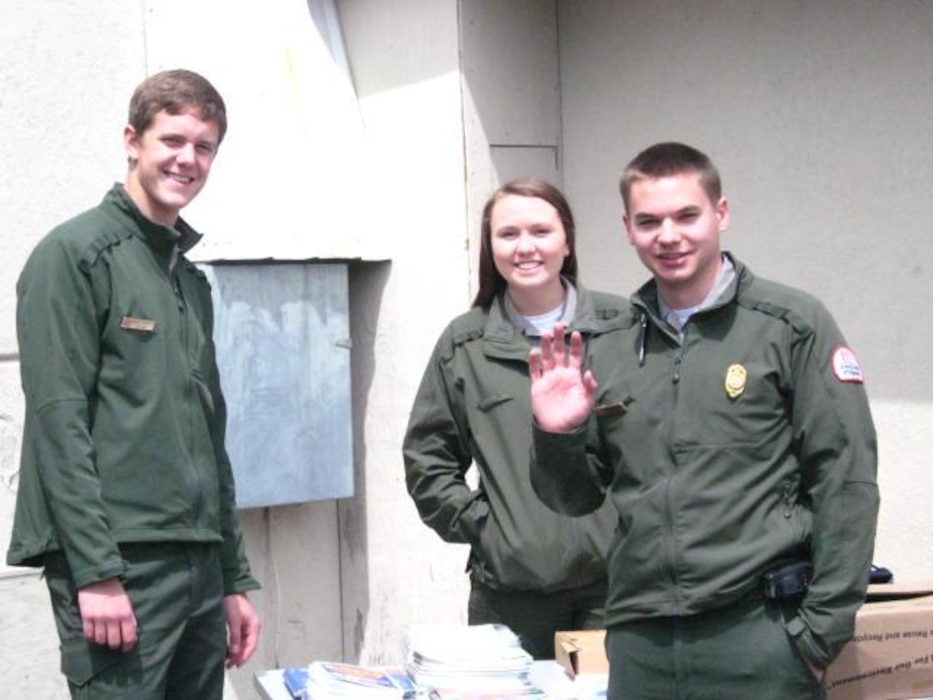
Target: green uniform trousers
(177,594)
(739,652)
(535,617)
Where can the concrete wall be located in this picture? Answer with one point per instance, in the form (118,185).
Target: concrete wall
(813,112)
(341,579)
(405,62)
(817,115)
(65,66)
(511,98)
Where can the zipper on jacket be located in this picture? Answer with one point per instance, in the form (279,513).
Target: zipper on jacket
(672,476)
(670,505)
(672,546)
(184,322)
(679,358)
(642,339)
(787,497)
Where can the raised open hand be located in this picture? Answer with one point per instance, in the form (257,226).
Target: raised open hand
(562,393)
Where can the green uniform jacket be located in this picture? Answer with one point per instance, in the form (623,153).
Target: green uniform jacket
(714,484)
(125,420)
(473,406)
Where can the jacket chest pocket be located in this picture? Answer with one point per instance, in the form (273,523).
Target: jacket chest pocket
(133,339)
(485,404)
(730,403)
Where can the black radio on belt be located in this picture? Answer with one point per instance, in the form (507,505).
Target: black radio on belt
(787,580)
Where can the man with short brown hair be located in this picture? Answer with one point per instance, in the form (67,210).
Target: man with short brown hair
(126,493)
(731,430)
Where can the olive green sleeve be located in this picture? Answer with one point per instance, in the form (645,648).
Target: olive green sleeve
(437,455)
(562,473)
(59,313)
(837,450)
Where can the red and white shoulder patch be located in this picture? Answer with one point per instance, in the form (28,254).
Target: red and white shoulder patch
(845,365)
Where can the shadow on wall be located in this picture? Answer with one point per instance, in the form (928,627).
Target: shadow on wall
(367,285)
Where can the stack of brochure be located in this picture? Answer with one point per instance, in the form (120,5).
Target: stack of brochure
(325,679)
(480,662)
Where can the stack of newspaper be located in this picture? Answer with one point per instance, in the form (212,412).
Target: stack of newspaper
(480,662)
(325,679)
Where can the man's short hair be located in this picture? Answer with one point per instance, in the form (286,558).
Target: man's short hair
(669,159)
(176,92)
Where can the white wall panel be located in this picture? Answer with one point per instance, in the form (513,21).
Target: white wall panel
(11,431)
(67,68)
(288,178)
(405,61)
(29,658)
(510,64)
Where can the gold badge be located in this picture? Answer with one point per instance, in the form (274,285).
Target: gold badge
(735,380)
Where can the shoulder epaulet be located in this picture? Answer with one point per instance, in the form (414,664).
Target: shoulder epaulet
(780,301)
(193,268)
(468,326)
(105,239)
(613,308)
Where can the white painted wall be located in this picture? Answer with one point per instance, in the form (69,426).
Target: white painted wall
(405,63)
(294,161)
(65,66)
(818,117)
(511,99)
(365,564)
(815,113)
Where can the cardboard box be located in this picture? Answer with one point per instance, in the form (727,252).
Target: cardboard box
(582,652)
(891,654)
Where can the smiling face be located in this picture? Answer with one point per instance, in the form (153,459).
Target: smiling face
(674,228)
(529,245)
(170,162)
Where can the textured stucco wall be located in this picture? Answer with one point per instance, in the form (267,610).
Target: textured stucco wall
(66,67)
(814,113)
(404,58)
(817,115)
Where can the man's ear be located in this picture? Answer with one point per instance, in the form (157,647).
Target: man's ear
(131,144)
(628,229)
(722,213)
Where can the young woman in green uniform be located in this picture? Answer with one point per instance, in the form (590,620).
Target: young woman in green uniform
(530,568)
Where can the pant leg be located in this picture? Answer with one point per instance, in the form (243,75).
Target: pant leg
(534,616)
(162,587)
(738,652)
(95,672)
(197,668)
(642,660)
(744,651)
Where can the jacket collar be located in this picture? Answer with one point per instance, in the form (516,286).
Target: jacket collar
(160,238)
(647,300)
(567,311)
(502,339)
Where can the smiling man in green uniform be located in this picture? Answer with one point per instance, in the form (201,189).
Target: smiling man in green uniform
(126,494)
(732,430)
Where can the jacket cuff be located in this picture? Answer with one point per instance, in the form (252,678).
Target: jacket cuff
(546,440)
(101,572)
(239,582)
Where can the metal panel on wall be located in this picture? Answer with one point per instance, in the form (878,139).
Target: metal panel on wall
(282,337)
